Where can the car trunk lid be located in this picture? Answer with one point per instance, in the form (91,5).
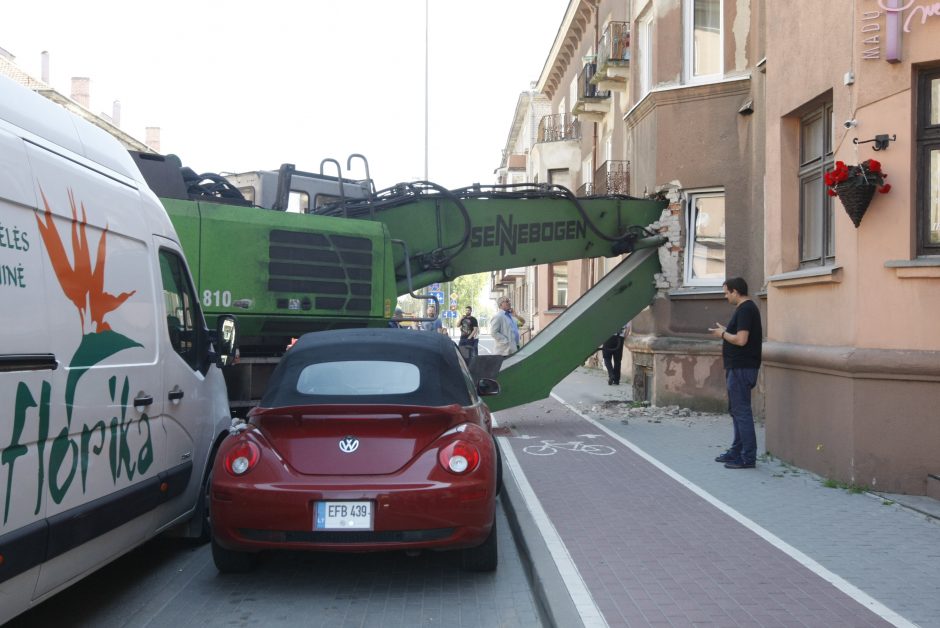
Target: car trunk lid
(365,440)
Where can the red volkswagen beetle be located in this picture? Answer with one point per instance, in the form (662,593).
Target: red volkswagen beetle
(365,440)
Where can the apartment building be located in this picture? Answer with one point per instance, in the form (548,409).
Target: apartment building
(658,97)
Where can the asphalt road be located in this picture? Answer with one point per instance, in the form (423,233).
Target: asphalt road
(172,583)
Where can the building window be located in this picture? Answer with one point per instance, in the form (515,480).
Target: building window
(705,242)
(646,54)
(703,41)
(559,282)
(928,163)
(817,222)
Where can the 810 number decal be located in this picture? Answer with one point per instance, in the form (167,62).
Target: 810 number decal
(215,299)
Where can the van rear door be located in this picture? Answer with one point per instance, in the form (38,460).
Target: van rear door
(28,360)
(105,449)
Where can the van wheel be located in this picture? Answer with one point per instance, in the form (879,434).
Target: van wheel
(203,511)
(231,561)
(482,557)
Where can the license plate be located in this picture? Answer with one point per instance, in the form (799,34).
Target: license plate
(343,516)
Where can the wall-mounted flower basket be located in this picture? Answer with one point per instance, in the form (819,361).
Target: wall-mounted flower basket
(855,186)
(855,200)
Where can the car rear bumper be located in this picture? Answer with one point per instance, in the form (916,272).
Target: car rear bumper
(251,517)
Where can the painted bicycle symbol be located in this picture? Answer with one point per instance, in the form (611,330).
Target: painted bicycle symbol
(550,448)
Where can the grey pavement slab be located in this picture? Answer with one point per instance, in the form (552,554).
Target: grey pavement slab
(887,551)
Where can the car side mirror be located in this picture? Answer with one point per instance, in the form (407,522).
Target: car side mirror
(225,340)
(487,387)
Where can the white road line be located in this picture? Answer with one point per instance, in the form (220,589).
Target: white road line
(580,595)
(838,582)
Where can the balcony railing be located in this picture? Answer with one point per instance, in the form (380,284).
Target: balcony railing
(559,126)
(586,89)
(614,47)
(586,189)
(613,177)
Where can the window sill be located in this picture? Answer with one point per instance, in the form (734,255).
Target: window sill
(697,292)
(927,267)
(806,277)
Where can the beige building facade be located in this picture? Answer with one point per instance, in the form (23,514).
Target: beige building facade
(852,359)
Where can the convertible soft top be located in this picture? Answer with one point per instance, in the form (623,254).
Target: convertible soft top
(442,379)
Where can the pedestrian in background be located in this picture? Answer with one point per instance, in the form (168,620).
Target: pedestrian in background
(612,351)
(395,322)
(504,329)
(435,323)
(741,354)
(469,333)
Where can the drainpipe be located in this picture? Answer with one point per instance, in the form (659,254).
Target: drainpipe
(592,278)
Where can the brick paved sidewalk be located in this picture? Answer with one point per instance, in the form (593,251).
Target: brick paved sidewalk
(651,551)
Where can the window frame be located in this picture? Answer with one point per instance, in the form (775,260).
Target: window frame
(810,170)
(552,304)
(690,239)
(927,141)
(688,41)
(192,330)
(646,30)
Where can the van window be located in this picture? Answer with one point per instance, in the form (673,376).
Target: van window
(182,317)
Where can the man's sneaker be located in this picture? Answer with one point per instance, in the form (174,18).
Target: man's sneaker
(726,457)
(739,464)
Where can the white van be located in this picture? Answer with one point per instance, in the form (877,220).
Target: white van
(111,399)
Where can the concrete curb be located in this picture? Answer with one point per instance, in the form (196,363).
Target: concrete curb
(551,594)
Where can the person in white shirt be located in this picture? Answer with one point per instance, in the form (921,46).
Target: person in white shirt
(504,329)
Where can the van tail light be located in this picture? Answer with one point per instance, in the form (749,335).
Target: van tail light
(242,458)
(459,457)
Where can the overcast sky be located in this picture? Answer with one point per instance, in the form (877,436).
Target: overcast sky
(242,86)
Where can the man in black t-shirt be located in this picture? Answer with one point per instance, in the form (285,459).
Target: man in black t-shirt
(741,352)
(469,331)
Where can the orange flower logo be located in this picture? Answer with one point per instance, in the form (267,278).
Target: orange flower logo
(82,284)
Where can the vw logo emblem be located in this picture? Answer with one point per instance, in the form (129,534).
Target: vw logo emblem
(349,444)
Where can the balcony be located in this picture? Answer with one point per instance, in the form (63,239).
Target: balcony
(613,57)
(506,277)
(586,189)
(613,177)
(559,127)
(593,103)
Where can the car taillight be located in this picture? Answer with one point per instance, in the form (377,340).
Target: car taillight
(459,457)
(242,458)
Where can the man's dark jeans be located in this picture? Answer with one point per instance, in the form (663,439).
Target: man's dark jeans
(740,383)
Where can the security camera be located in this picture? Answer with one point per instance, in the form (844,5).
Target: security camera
(849,124)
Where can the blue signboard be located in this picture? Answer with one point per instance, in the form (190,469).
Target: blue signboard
(438,295)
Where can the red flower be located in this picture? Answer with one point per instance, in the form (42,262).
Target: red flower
(831,192)
(884,189)
(874,165)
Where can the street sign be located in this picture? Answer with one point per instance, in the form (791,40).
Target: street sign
(454,295)
(435,286)
(439,295)
(450,314)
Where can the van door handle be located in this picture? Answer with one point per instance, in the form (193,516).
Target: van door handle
(175,395)
(142,401)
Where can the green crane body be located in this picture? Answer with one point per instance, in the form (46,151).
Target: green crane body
(345,264)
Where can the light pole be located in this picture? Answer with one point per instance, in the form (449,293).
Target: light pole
(426,62)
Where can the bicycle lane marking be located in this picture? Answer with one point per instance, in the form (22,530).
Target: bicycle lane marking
(580,594)
(838,582)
